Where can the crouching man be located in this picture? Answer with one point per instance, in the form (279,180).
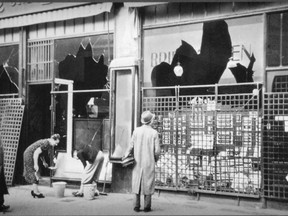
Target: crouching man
(92,160)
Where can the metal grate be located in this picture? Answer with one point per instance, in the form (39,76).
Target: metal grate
(211,142)
(40,61)
(7,101)
(280,84)
(11,112)
(275,148)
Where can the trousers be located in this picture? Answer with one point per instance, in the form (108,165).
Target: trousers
(147,200)
(1,199)
(92,171)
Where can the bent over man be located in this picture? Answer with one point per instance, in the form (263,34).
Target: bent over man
(92,160)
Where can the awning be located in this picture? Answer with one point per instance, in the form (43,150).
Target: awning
(142,4)
(56,15)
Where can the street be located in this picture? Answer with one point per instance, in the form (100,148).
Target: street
(22,203)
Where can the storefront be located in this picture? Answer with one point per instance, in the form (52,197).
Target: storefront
(212,136)
(197,125)
(47,47)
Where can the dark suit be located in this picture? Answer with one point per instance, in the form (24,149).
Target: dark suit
(3,186)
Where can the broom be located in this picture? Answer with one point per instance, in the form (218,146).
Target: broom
(103,190)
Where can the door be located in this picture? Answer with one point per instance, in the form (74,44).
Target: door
(62,113)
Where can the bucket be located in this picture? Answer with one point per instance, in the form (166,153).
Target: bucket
(59,188)
(89,191)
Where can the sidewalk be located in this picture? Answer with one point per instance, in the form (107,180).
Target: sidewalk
(22,203)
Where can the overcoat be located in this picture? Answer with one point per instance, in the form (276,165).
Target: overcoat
(3,186)
(145,143)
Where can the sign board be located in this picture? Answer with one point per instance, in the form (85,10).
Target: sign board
(247,36)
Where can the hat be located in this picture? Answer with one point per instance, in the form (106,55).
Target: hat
(147,117)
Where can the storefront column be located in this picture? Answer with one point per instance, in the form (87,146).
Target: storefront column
(126,45)
(22,63)
(127,33)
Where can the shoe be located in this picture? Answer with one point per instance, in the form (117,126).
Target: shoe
(97,193)
(37,195)
(4,207)
(77,194)
(147,209)
(137,209)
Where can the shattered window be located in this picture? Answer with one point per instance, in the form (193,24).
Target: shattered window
(9,55)
(71,46)
(9,69)
(85,61)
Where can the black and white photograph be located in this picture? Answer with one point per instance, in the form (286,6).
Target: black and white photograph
(144,107)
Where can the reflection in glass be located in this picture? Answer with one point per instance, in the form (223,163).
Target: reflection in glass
(123,111)
(273,40)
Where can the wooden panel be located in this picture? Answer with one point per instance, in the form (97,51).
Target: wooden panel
(226,7)
(241,6)
(161,14)
(69,27)
(79,26)
(88,24)
(50,32)
(173,12)
(41,33)
(199,10)
(60,28)
(149,16)
(99,23)
(255,5)
(16,34)
(8,36)
(106,135)
(111,22)
(186,11)
(2,38)
(32,32)
(212,9)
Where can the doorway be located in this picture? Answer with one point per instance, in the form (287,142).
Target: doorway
(39,115)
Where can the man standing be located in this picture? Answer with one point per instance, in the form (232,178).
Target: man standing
(3,186)
(145,146)
(92,160)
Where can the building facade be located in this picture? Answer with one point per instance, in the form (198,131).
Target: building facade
(42,45)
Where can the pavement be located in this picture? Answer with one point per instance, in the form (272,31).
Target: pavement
(22,203)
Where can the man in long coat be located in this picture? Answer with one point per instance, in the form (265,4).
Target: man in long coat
(145,146)
(3,186)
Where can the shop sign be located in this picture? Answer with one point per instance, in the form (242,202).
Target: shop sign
(246,34)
